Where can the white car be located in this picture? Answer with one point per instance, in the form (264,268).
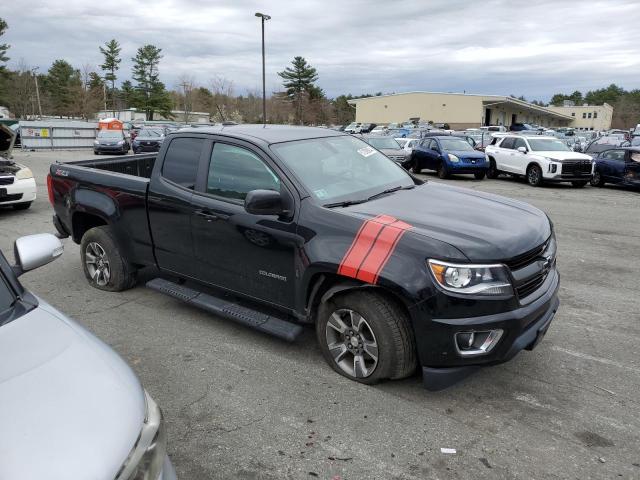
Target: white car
(494,128)
(408,144)
(17,185)
(353,127)
(539,159)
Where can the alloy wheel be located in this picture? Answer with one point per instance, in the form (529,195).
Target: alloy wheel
(97,263)
(352,343)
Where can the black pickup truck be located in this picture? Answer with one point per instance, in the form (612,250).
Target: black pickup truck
(277,226)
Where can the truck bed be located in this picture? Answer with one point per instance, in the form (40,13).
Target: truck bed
(136,165)
(105,191)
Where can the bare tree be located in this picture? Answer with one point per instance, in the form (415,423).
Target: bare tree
(21,91)
(187,85)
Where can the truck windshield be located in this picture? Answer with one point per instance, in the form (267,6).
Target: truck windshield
(341,168)
(548,145)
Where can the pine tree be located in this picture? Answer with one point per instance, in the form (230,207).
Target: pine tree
(3,46)
(151,95)
(61,83)
(299,81)
(111,52)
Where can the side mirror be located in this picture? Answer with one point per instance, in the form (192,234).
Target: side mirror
(264,202)
(522,149)
(34,251)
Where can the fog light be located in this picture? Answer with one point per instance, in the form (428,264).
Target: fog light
(477,343)
(553,168)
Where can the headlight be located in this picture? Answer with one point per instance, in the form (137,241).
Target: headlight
(121,142)
(147,456)
(472,279)
(24,173)
(453,158)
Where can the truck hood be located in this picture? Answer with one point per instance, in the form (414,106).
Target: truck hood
(484,227)
(563,155)
(70,407)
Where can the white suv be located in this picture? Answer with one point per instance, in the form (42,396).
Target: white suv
(540,159)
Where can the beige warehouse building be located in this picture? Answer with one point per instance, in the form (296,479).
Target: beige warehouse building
(459,110)
(587,117)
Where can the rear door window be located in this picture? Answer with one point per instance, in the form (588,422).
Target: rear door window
(181,161)
(507,142)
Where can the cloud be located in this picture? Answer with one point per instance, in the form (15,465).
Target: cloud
(494,47)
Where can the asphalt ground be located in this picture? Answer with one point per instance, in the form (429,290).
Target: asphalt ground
(240,404)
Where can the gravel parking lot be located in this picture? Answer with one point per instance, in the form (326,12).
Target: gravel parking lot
(240,404)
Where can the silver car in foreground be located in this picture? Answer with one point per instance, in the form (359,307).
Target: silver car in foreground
(70,407)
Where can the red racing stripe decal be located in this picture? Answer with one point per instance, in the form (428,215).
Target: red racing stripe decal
(362,244)
(382,249)
(371,248)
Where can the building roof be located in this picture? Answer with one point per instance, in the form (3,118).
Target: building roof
(487,99)
(267,133)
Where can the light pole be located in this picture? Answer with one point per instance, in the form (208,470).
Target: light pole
(35,76)
(264,88)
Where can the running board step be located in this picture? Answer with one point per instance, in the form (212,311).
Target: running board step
(246,316)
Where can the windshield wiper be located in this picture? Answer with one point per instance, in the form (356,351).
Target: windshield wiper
(390,190)
(346,203)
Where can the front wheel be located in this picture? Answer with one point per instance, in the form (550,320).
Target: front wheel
(479,175)
(534,176)
(104,265)
(366,337)
(597,180)
(493,171)
(442,171)
(579,184)
(415,166)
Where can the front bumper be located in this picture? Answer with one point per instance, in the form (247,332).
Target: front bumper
(468,167)
(549,177)
(20,191)
(110,148)
(523,329)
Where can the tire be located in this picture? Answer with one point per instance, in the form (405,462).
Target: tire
(385,324)
(493,171)
(415,166)
(479,175)
(579,184)
(534,176)
(114,273)
(597,180)
(21,206)
(442,171)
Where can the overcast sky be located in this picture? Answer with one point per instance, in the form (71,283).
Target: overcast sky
(532,48)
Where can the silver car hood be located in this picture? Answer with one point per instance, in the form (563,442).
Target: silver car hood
(70,407)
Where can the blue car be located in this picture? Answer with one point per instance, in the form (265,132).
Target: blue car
(617,165)
(448,155)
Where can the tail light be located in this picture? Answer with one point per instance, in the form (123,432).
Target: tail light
(50,188)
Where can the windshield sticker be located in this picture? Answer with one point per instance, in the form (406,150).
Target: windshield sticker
(366,151)
(322,193)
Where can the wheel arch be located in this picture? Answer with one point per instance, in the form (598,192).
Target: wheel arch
(325,286)
(82,221)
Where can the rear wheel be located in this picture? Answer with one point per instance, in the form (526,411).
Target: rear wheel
(442,171)
(479,175)
(104,265)
(22,206)
(534,175)
(493,171)
(579,184)
(597,180)
(366,337)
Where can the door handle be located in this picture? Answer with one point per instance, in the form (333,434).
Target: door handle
(206,214)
